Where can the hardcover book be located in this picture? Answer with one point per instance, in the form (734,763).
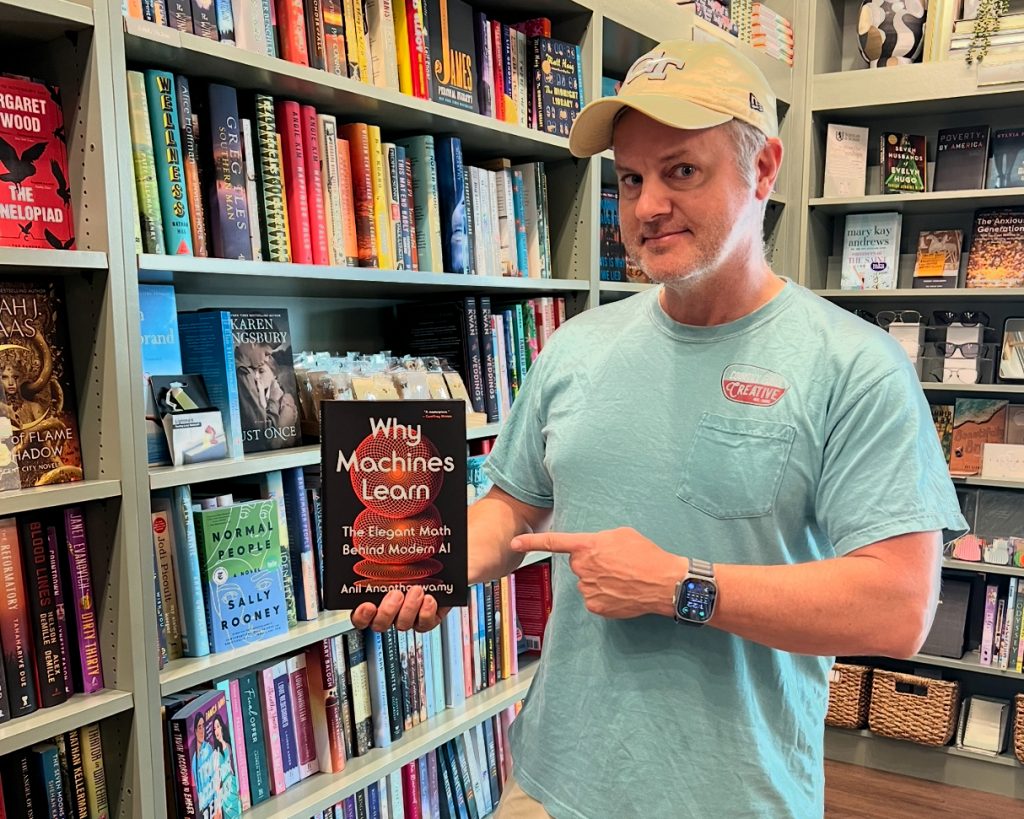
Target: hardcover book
(996,257)
(938,258)
(903,165)
(15,631)
(1006,168)
(961,155)
(170,170)
(871,251)
(205,774)
(453,53)
(394,500)
(38,387)
(240,562)
(557,84)
(268,395)
(35,197)
(230,220)
(976,421)
(88,670)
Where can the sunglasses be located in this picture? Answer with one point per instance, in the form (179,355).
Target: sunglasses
(886,317)
(968,318)
(969,349)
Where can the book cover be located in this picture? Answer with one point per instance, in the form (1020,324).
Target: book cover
(997,242)
(558,88)
(38,386)
(1006,168)
(846,160)
(47,624)
(15,628)
(903,163)
(240,561)
(395,510)
(938,258)
(268,395)
(229,207)
(165,129)
(942,415)
(161,355)
(871,251)
(1011,360)
(976,421)
(203,748)
(961,156)
(453,53)
(35,197)
(88,672)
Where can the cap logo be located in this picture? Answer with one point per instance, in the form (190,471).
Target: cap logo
(755,105)
(654,67)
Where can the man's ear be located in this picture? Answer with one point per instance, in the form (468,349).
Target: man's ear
(768,163)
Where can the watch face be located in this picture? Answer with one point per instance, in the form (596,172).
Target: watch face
(696,600)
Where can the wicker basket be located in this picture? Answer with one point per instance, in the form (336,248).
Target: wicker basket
(1018,727)
(849,693)
(918,709)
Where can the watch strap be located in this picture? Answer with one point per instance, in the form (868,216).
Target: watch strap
(702,568)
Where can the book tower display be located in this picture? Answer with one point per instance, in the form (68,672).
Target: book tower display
(340,199)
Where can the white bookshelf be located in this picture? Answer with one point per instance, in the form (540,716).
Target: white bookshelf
(969,662)
(323,790)
(16,501)
(931,202)
(986,568)
(15,258)
(78,711)
(43,19)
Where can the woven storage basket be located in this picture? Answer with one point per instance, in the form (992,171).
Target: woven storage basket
(1018,727)
(925,714)
(849,694)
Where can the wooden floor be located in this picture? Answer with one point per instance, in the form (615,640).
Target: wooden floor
(855,792)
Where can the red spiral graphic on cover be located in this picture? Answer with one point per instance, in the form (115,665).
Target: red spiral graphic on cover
(408,491)
(397,540)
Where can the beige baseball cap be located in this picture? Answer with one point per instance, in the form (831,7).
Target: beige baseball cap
(682,84)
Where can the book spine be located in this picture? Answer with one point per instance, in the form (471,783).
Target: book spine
(519,216)
(78,801)
(48,774)
(163,653)
(334,38)
(393,678)
(405,208)
(410,198)
(380,193)
(272,730)
(289,123)
(204,20)
(383,52)
(144,163)
(988,632)
(412,679)
(348,207)
(163,546)
(305,741)
(411,790)
(399,219)
(314,187)
(190,159)
(229,209)
(404,667)
(327,136)
(421,682)
(486,343)
(419,48)
(292,30)
(238,737)
(95,773)
(271,184)
(358,139)
(316,45)
(362,40)
(15,630)
(344,697)
(251,196)
(300,543)
(471,238)
(402,47)
(1008,621)
(360,687)
(184,792)
(352,67)
(165,128)
(225,21)
(325,707)
(46,626)
(377,681)
(255,743)
(499,632)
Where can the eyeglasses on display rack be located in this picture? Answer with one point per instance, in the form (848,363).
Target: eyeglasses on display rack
(883,318)
(968,318)
(965,376)
(970,349)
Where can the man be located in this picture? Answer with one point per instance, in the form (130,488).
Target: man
(726,450)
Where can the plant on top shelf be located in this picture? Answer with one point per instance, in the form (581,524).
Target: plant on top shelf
(985,25)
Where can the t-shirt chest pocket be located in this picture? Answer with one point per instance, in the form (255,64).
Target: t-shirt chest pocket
(734,467)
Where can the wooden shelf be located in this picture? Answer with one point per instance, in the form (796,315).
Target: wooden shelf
(987,568)
(974,389)
(151,45)
(992,483)
(191,274)
(42,20)
(187,672)
(323,790)
(164,477)
(953,294)
(61,494)
(922,89)
(969,662)
(35,258)
(930,202)
(46,723)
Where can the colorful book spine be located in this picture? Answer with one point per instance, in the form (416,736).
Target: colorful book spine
(204,20)
(377,681)
(286,724)
(300,543)
(271,185)
(452,200)
(334,38)
(325,707)
(381,209)
(314,186)
(190,160)
(59,596)
(289,125)
(348,207)
(46,627)
(195,641)
(402,48)
(420,150)
(15,629)
(393,182)
(144,163)
(229,209)
(78,799)
(273,740)
(316,43)
(291,21)
(393,679)
(358,138)
(355,69)
(80,587)
(48,774)
(255,743)
(95,774)
(165,129)
(359,685)
(238,739)
(251,194)
(305,740)
(163,547)
(989,630)
(327,144)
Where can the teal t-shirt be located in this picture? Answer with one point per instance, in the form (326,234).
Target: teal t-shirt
(796,433)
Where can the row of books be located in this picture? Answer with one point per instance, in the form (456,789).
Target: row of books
(464,777)
(285,183)
(313,711)
(871,252)
(616,266)
(1002,638)
(966,158)
(35,199)
(431,49)
(751,22)
(48,620)
(39,440)
(63,777)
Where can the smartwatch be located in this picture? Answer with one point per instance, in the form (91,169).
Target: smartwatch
(696,594)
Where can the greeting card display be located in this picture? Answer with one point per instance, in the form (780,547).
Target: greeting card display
(394,499)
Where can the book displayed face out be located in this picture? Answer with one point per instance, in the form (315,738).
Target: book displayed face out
(394,497)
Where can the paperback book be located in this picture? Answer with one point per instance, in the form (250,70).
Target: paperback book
(997,248)
(1006,168)
(938,259)
(871,251)
(903,164)
(976,421)
(961,155)
(394,499)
